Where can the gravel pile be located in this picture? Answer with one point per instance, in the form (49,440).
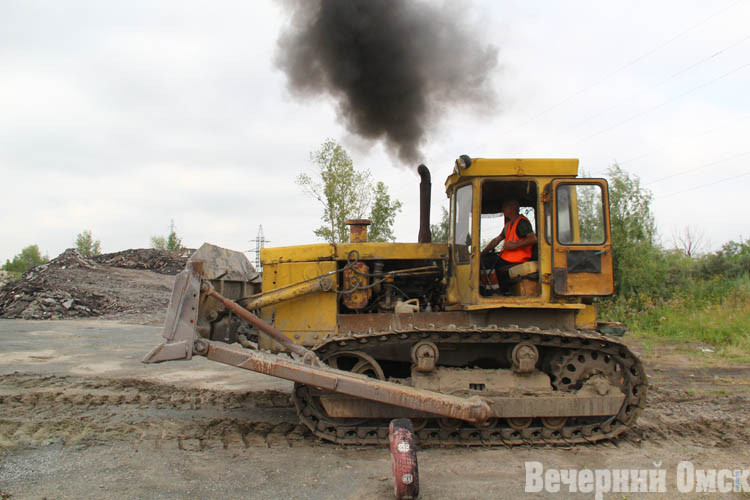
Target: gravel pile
(74,286)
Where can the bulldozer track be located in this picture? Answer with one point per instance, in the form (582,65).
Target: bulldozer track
(635,386)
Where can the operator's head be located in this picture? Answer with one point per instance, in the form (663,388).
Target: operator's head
(510,208)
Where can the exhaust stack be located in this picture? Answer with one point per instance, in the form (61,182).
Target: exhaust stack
(358,230)
(425,188)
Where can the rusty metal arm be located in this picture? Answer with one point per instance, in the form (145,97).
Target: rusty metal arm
(321,284)
(352,384)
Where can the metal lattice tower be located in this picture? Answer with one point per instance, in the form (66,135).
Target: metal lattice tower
(260,243)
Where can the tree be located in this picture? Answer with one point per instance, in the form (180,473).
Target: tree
(732,260)
(689,241)
(347,193)
(29,258)
(638,262)
(86,245)
(159,242)
(383,215)
(171,242)
(441,233)
(630,207)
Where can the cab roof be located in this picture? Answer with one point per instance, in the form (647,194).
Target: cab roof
(513,167)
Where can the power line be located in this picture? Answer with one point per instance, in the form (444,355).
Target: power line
(697,168)
(627,65)
(664,103)
(660,83)
(704,185)
(681,140)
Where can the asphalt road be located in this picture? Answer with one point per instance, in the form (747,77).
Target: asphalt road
(109,349)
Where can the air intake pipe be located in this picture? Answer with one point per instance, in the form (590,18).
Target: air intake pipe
(425,188)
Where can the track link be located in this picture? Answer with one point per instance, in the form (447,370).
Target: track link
(577,430)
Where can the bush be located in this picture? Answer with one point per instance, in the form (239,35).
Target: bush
(171,242)
(672,293)
(715,311)
(29,258)
(731,261)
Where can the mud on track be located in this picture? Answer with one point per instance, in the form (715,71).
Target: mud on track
(42,410)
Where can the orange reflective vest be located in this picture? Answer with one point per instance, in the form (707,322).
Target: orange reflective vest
(521,254)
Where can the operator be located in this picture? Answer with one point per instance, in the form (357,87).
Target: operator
(519,240)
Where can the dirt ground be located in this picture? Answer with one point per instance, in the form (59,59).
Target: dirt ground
(83,418)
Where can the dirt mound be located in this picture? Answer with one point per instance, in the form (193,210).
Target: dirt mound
(74,286)
(160,261)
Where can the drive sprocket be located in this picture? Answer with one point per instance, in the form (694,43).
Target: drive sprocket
(570,370)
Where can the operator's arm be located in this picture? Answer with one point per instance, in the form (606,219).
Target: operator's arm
(529,239)
(526,235)
(494,242)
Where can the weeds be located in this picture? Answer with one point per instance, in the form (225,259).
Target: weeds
(713,311)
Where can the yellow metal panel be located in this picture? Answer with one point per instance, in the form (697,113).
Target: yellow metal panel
(298,253)
(307,319)
(367,251)
(463,281)
(586,318)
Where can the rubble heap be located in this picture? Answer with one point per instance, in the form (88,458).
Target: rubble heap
(5,277)
(160,261)
(39,294)
(74,286)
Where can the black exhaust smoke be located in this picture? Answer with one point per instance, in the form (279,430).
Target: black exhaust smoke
(392,66)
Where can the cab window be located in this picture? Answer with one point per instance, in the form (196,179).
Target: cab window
(580,214)
(462,226)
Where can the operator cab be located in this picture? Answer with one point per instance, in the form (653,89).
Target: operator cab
(571,260)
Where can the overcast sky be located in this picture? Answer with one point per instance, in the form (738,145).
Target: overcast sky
(120,116)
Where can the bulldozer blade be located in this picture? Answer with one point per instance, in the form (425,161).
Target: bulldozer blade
(182,315)
(210,263)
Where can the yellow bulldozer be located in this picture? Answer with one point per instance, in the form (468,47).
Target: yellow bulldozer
(371,332)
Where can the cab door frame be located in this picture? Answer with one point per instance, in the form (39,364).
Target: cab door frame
(580,267)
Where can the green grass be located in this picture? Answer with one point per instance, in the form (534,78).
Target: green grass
(715,312)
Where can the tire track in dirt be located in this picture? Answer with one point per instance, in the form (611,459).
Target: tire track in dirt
(708,418)
(41,410)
